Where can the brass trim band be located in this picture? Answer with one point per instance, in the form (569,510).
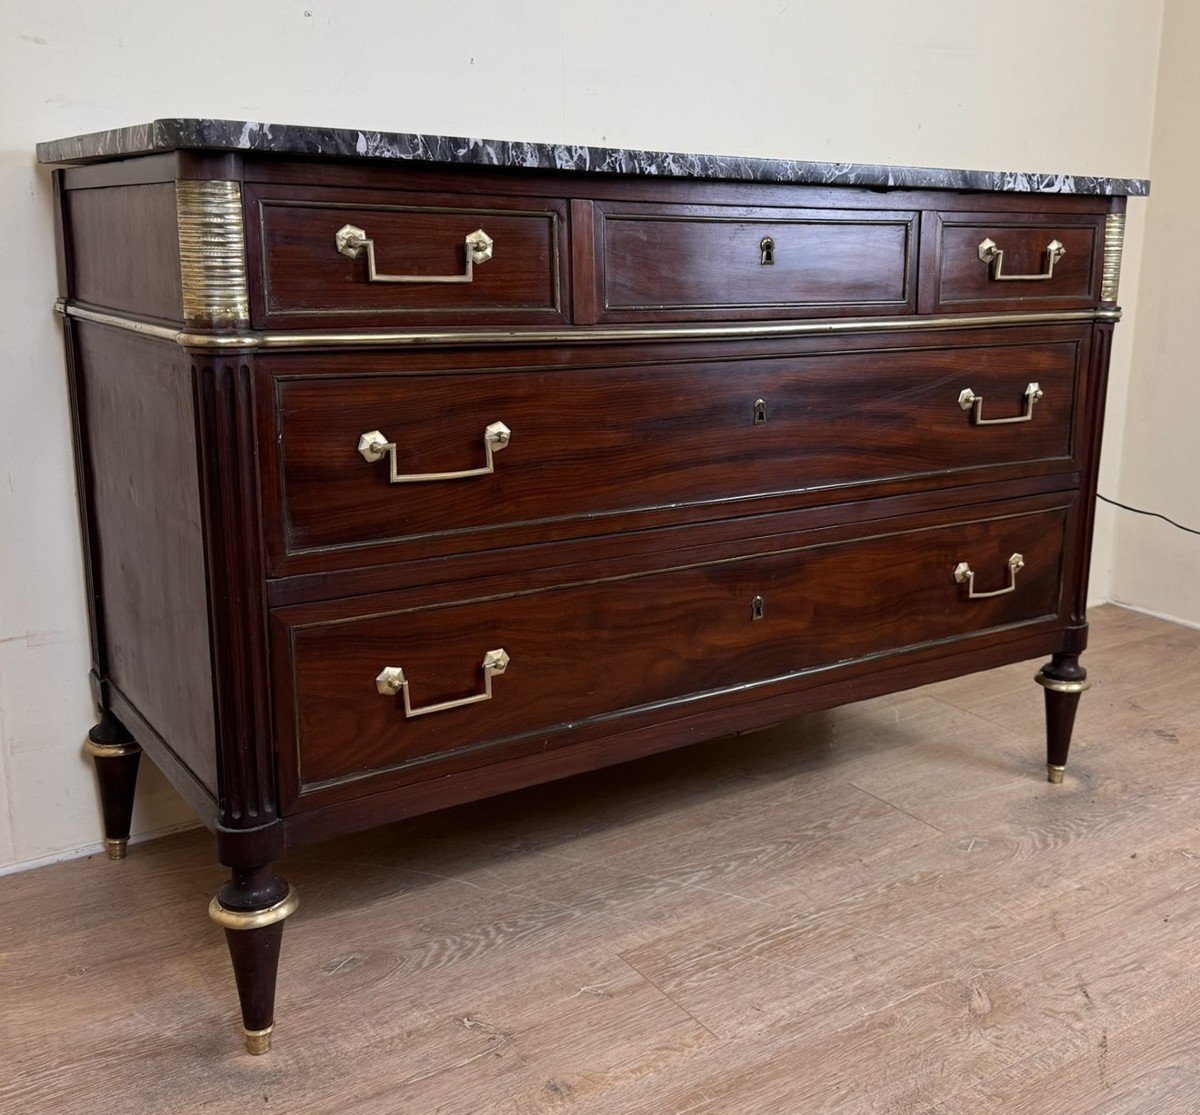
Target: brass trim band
(255,919)
(1114,243)
(258,1042)
(212,252)
(110,750)
(1054,773)
(582,334)
(1058,685)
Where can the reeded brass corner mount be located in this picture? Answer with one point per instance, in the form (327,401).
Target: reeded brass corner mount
(1114,244)
(212,253)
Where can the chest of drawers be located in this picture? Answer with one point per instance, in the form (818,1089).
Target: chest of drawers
(416,470)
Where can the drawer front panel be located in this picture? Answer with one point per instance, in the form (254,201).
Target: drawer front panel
(1000,261)
(703,262)
(621,440)
(318,257)
(600,651)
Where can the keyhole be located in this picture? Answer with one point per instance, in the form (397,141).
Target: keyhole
(766,251)
(760,412)
(756,607)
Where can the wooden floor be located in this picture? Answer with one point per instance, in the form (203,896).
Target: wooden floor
(879,909)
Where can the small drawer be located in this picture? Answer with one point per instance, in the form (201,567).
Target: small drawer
(383,688)
(331,258)
(1007,261)
(689,262)
(468,460)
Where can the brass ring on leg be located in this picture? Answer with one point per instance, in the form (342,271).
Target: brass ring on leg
(1054,773)
(1058,685)
(110,750)
(255,919)
(258,1042)
(115,847)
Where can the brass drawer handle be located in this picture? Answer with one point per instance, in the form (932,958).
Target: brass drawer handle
(964,574)
(391,680)
(968,399)
(993,255)
(373,446)
(351,241)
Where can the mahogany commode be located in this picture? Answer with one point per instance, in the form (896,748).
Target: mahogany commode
(415,469)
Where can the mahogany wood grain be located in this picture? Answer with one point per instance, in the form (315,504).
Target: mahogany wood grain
(601,650)
(146,535)
(610,441)
(228,491)
(955,279)
(839,685)
(124,247)
(305,279)
(686,263)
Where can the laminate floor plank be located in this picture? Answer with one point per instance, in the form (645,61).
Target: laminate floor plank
(881,908)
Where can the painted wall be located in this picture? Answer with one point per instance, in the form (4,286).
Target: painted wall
(1024,85)
(1155,565)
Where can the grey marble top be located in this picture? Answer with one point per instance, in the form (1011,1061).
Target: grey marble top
(288,139)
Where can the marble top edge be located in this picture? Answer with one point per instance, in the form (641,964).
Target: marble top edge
(289,139)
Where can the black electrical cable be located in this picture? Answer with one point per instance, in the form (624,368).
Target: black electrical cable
(1152,514)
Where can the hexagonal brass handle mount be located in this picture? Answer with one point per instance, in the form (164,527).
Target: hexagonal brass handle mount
(373,446)
(391,681)
(965,575)
(352,241)
(993,255)
(973,404)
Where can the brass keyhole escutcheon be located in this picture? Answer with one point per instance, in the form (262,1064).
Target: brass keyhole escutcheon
(756,607)
(766,251)
(760,412)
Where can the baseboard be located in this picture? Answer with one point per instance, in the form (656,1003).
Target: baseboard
(92,849)
(1156,615)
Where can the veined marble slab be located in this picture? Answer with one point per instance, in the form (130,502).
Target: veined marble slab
(289,139)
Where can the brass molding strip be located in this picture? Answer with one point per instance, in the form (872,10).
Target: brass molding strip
(118,321)
(212,252)
(255,919)
(582,334)
(1114,242)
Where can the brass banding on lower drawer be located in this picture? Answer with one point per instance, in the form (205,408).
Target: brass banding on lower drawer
(389,457)
(609,648)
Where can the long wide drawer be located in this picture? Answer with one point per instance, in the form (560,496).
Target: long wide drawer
(370,459)
(402,691)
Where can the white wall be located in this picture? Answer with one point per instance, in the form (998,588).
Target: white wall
(1028,84)
(1156,566)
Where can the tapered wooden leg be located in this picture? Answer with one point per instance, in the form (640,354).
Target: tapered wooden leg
(251,908)
(1064,680)
(116,757)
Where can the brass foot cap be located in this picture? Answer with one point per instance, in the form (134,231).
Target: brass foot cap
(115,849)
(258,1042)
(1054,774)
